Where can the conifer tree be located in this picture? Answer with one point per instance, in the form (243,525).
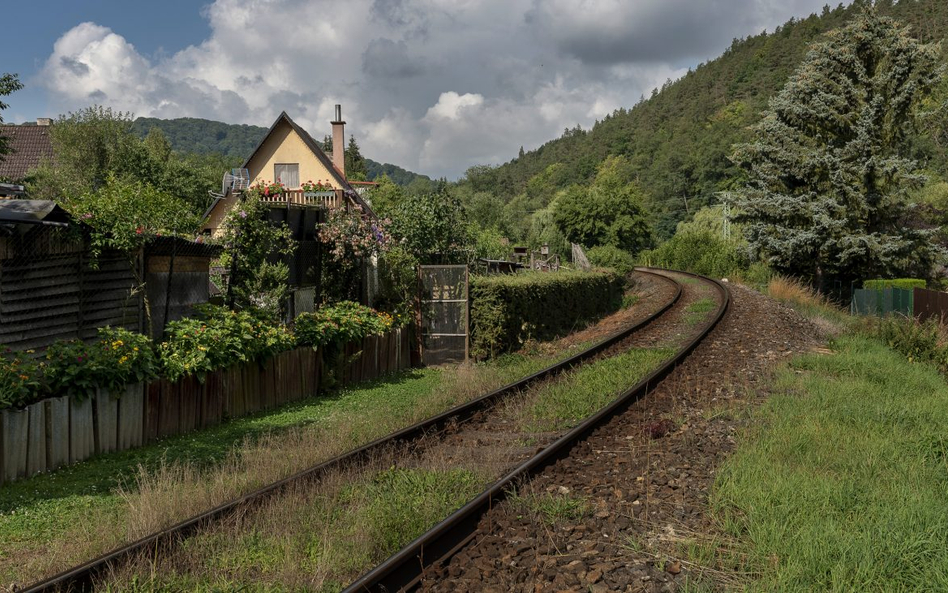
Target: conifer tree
(355,162)
(828,171)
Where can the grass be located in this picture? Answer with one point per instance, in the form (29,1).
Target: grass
(839,484)
(564,403)
(551,508)
(316,540)
(59,519)
(697,312)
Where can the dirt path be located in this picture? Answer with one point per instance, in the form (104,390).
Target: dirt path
(639,486)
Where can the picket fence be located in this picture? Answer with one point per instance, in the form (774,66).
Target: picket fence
(65,430)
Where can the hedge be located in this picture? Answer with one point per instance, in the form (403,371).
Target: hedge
(508,310)
(903,283)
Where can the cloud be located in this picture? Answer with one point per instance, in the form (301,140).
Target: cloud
(431,85)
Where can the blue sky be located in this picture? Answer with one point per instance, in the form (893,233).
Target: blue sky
(435,86)
(155,28)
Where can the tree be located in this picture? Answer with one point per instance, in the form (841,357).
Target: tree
(355,162)
(9,83)
(828,171)
(431,227)
(385,195)
(608,212)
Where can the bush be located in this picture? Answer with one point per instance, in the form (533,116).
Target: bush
(340,323)
(219,338)
(607,256)
(18,380)
(508,310)
(118,358)
(700,252)
(919,342)
(903,283)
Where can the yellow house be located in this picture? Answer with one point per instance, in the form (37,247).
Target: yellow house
(288,154)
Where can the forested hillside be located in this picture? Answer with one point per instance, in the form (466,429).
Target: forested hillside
(678,141)
(203,136)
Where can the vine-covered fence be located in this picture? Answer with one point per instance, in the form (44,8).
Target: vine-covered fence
(65,430)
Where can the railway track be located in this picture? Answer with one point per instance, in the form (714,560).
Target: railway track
(420,561)
(85,576)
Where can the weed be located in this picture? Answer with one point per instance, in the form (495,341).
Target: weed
(552,508)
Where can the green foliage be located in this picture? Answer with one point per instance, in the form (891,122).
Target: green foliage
(9,83)
(96,144)
(118,358)
(398,283)
(903,283)
(699,252)
(355,162)
(507,310)
(123,214)
(19,379)
(828,171)
(490,244)
(385,195)
(257,284)
(216,339)
(609,212)
(340,323)
(432,227)
(352,238)
(918,341)
(608,256)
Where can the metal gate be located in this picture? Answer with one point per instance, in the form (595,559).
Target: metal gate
(444,314)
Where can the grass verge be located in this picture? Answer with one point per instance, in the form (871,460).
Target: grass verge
(840,483)
(59,519)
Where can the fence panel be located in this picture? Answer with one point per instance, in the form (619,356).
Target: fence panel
(930,304)
(444,314)
(882,302)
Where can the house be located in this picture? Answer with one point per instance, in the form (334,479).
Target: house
(52,288)
(29,144)
(290,155)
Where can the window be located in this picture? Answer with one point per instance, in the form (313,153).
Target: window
(288,174)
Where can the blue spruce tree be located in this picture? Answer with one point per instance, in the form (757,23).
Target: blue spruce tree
(829,169)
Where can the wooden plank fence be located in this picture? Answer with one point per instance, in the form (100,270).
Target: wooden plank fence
(63,430)
(921,303)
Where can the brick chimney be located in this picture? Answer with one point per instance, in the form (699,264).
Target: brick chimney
(339,141)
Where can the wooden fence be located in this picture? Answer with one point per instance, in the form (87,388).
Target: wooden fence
(63,430)
(920,303)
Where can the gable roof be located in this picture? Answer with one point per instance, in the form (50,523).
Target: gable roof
(29,146)
(314,147)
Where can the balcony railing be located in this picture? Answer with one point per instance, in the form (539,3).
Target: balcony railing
(297,197)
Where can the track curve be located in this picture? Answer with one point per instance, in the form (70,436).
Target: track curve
(83,577)
(405,570)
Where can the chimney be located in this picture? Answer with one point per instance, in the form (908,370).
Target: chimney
(339,141)
(44,121)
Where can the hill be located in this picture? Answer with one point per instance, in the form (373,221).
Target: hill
(678,140)
(203,136)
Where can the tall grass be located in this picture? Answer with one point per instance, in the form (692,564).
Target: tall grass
(840,483)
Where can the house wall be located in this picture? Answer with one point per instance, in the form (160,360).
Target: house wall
(285,146)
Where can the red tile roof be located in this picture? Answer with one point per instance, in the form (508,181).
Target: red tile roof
(30,144)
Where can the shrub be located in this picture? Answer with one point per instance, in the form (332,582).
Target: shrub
(903,283)
(217,339)
(919,342)
(18,380)
(700,252)
(118,358)
(340,323)
(508,310)
(607,256)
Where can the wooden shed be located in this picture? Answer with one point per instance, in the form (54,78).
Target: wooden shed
(181,269)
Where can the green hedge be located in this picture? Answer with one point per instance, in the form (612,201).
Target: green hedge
(903,283)
(508,310)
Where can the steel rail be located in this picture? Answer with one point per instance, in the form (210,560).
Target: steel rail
(83,577)
(405,570)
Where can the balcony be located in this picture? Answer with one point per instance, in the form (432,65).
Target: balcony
(297,197)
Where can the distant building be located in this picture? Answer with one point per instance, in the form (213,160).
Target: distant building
(30,145)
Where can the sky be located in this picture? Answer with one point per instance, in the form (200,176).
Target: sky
(434,86)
